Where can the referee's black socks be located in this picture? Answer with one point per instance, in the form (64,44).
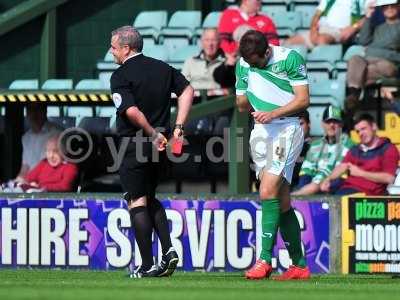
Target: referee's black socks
(143,227)
(159,218)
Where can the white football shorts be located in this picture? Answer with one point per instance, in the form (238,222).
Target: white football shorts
(275,146)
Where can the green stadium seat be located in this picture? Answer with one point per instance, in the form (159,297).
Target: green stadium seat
(330,53)
(90,84)
(341,66)
(287,19)
(63,122)
(210,21)
(284,33)
(53,111)
(317,76)
(272,9)
(57,84)
(307,11)
(150,23)
(24,84)
(324,57)
(109,112)
(177,58)
(182,24)
(107,63)
(95,125)
(79,112)
(331,88)
(104,77)
(159,52)
(324,100)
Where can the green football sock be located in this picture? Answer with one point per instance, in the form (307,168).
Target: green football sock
(269,222)
(290,232)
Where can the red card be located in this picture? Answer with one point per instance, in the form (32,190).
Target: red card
(176,146)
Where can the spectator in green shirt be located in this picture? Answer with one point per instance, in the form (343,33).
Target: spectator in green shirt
(324,153)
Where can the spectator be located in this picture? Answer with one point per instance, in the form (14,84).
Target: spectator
(324,153)
(235,20)
(370,166)
(304,117)
(382,53)
(333,22)
(199,70)
(34,140)
(52,174)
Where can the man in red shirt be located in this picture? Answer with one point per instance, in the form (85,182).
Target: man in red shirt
(235,20)
(370,166)
(52,174)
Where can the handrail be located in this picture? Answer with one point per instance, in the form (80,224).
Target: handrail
(25,12)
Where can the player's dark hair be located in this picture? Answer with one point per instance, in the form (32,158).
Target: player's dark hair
(253,43)
(364,117)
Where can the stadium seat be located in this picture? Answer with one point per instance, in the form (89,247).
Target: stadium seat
(159,52)
(79,112)
(324,57)
(341,66)
(273,9)
(316,112)
(150,23)
(178,57)
(210,21)
(330,53)
(107,111)
(90,84)
(307,11)
(105,77)
(95,125)
(301,49)
(175,43)
(284,33)
(107,63)
(24,84)
(182,24)
(57,84)
(63,122)
(331,88)
(324,100)
(53,111)
(287,19)
(317,76)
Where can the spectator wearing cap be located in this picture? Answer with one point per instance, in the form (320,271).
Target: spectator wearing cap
(382,52)
(324,153)
(369,166)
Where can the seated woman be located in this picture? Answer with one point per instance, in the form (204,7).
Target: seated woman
(52,174)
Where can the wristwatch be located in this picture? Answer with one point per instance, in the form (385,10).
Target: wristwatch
(178,126)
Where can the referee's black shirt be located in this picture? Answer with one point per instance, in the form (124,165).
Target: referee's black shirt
(146,83)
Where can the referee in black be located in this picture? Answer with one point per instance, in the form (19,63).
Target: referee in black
(141,91)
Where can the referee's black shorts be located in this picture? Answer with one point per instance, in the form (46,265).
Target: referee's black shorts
(139,171)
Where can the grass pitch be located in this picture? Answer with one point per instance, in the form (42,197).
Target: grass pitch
(60,285)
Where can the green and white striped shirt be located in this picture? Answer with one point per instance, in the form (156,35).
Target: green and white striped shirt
(322,157)
(271,87)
